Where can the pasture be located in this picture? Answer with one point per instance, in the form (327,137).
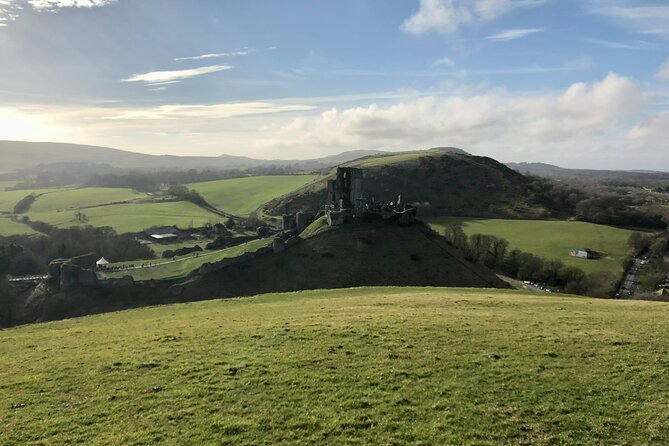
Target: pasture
(242,196)
(64,200)
(9,227)
(132,217)
(550,239)
(354,366)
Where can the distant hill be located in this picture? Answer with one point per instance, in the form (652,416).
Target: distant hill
(18,155)
(560,173)
(441,182)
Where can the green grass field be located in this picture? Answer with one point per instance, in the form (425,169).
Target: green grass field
(81,198)
(8,199)
(551,239)
(132,217)
(9,227)
(242,196)
(364,366)
(166,269)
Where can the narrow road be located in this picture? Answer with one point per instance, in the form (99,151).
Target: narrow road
(630,283)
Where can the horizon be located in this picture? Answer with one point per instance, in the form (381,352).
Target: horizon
(573,84)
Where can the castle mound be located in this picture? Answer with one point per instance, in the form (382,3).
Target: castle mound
(439,183)
(354,256)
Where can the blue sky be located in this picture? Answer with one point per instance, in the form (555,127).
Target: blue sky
(576,83)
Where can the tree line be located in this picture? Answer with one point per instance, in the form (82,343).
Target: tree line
(494,253)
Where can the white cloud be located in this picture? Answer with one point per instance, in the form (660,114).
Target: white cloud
(645,19)
(655,128)
(513,34)
(663,72)
(56,4)
(216,111)
(447,16)
(444,61)
(243,52)
(640,45)
(10,9)
(164,77)
(492,121)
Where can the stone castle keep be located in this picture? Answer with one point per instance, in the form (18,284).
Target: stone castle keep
(346,201)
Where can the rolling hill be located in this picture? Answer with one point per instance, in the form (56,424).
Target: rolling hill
(426,366)
(441,182)
(357,255)
(18,155)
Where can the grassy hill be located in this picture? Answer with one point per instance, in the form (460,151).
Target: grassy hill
(241,196)
(443,183)
(355,366)
(64,200)
(551,239)
(9,227)
(17,155)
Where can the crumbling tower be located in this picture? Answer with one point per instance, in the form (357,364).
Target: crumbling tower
(345,191)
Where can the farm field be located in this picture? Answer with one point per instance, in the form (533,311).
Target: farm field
(184,265)
(8,199)
(133,217)
(82,198)
(550,239)
(353,366)
(9,227)
(242,196)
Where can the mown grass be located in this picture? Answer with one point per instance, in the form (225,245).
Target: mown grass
(9,227)
(165,269)
(363,366)
(133,217)
(82,198)
(242,196)
(551,239)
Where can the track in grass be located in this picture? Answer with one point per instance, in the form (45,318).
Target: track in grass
(357,366)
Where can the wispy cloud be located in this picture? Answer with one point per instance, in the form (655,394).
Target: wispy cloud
(215,111)
(513,34)
(444,61)
(640,45)
(663,72)
(164,77)
(649,19)
(243,52)
(236,53)
(447,16)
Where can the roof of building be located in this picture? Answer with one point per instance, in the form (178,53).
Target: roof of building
(102,261)
(162,236)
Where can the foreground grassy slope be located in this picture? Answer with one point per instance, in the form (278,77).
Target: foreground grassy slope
(551,239)
(132,217)
(361,366)
(241,196)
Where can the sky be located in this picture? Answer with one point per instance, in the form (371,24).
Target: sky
(577,83)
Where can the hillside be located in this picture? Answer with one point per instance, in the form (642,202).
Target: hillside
(355,366)
(441,182)
(560,173)
(17,155)
(347,257)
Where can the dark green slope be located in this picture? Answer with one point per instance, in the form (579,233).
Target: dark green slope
(440,183)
